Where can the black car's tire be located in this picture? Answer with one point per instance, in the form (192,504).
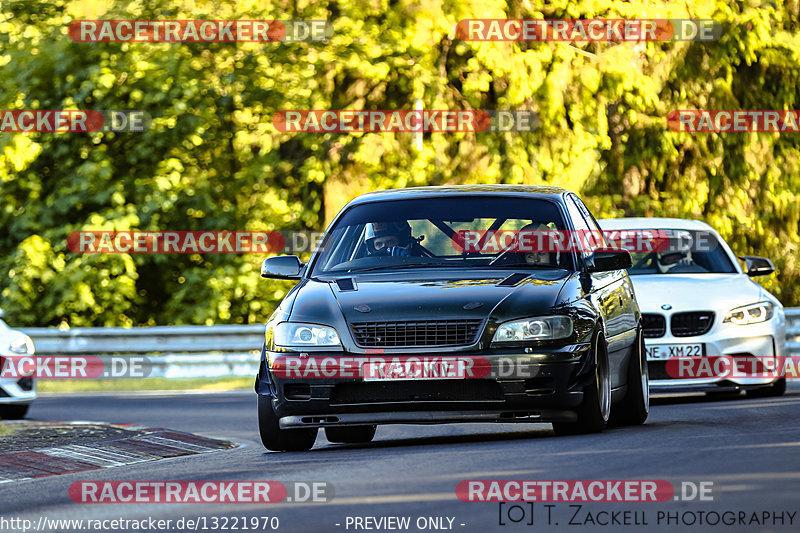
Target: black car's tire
(13,411)
(776,389)
(351,435)
(281,440)
(595,409)
(634,408)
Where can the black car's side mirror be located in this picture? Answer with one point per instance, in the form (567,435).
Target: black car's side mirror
(282,267)
(758,266)
(606,260)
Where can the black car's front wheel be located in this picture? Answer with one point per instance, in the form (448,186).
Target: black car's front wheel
(281,440)
(634,408)
(351,435)
(595,409)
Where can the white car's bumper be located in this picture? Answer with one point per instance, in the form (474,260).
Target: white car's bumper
(764,340)
(17,390)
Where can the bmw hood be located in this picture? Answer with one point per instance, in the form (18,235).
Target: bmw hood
(693,292)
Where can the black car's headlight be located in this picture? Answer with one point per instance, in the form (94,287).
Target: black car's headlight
(22,345)
(540,328)
(299,335)
(750,314)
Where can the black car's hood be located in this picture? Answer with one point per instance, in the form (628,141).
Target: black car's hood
(427,296)
(460,297)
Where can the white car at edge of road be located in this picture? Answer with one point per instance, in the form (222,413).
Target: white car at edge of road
(697,300)
(16,393)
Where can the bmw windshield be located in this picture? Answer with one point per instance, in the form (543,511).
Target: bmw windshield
(467,231)
(682,252)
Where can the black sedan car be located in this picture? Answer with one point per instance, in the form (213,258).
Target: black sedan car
(420,306)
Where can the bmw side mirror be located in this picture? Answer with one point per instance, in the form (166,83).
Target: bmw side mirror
(282,267)
(758,266)
(607,260)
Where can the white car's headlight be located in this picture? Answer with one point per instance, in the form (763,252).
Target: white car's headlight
(750,314)
(534,329)
(22,345)
(298,335)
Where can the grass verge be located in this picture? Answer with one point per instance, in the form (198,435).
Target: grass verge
(103,385)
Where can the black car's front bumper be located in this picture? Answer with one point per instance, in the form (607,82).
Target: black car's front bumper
(546,387)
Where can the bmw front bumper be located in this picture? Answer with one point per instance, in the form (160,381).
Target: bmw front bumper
(762,340)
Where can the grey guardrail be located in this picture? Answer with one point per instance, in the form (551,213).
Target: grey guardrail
(207,351)
(156,339)
(173,351)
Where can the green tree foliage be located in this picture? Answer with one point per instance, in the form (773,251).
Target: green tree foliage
(212,158)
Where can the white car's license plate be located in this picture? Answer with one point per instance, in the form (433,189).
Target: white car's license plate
(667,351)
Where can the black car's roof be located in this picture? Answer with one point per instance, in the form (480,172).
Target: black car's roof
(535,191)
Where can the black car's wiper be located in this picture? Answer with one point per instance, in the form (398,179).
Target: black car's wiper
(525,265)
(392,267)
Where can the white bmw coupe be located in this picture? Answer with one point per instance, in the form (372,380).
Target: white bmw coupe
(16,392)
(697,301)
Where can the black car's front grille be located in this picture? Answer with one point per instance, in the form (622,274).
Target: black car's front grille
(691,323)
(455,390)
(654,325)
(416,333)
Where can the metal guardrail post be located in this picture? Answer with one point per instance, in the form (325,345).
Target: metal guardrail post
(793,330)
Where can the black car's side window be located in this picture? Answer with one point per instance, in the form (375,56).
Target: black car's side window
(590,221)
(578,222)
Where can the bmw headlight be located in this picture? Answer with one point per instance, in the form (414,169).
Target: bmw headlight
(22,345)
(534,329)
(298,335)
(750,314)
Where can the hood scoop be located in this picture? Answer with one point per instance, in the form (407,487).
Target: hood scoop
(513,280)
(346,284)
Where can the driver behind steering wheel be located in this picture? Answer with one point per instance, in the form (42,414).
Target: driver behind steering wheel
(679,254)
(388,239)
(540,257)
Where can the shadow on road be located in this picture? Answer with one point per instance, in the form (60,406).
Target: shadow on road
(714,397)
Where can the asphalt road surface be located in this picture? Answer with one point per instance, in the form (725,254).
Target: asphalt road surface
(748,448)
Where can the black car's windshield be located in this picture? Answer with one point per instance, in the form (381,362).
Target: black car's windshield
(681,252)
(463,231)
